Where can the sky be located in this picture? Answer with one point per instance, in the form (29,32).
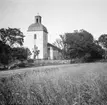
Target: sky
(59,16)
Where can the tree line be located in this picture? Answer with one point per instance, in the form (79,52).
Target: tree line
(78,45)
(81,46)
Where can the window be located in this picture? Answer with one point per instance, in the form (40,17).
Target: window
(36,20)
(35,37)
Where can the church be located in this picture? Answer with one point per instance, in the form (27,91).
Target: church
(37,34)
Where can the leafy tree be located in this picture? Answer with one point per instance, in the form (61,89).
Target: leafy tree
(36,52)
(5,53)
(103,40)
(9,38)
(79,38)
(78,43)
(28,53)
(12,37)
(96,52)
(21,53)
(81,45)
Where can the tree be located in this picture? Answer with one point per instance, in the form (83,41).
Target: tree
(28,53)
(5,53)
(74,44)
(21,53)
(103,40)
(79,38)
(81,45)
(12,37)
(36,52)
(96,52)
(9,38)
(60,43)
(78,42)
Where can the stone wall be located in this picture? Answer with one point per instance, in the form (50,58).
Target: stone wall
(51,62)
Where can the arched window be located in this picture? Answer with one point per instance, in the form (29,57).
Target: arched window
(35,37)
(36,20)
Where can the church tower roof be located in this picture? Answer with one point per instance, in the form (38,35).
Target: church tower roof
(37,26)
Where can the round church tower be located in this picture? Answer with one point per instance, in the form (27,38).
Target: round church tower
(39,35)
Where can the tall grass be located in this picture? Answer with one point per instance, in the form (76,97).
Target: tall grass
(54,86)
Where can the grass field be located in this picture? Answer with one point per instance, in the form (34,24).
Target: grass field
(75,84)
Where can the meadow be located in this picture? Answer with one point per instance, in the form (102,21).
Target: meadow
(70,84)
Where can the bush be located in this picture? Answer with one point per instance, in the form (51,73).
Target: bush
(30,60)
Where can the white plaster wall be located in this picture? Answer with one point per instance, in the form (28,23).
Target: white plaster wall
(29,41)
(45,50)
(48,52)
(54,54)
(38,42)
(51,53)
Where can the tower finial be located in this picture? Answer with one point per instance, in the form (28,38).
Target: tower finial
(37,13)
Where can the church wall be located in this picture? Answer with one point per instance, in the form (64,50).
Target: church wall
(38,41)
(41,42)
(51,53)
(56,54)
(30,41)
(45,40)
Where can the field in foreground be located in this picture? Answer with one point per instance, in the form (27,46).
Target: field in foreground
(75,84)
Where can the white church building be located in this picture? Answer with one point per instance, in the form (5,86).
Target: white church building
(37,34)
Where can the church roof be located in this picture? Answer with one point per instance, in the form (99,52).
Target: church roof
(55,47)
(37,26)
